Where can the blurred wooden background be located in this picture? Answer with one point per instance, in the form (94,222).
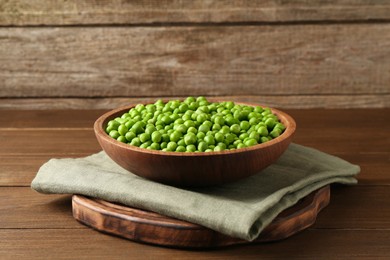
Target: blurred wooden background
(102,54)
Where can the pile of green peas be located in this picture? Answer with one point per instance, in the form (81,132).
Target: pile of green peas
(195,125)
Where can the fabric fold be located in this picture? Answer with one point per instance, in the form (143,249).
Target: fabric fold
(241,209)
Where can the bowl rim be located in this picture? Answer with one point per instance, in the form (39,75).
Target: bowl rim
(99,131)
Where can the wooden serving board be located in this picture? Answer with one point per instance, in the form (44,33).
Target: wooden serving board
(148,227)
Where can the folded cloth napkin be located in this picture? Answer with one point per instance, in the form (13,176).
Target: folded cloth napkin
(241,209)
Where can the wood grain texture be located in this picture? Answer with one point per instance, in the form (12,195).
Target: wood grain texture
(354,207)
(63,119)
(48,142)
(308,60)
(24,12)
(82,119)
(62,134)
(355,224)
(350,208)
(290,101)
(87,244)
(148,227)
(20,169)
(43,141)
(23,207)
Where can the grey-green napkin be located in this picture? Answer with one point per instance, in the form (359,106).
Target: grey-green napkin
(241,209)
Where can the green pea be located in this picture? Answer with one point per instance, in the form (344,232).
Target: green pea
(130,123)
(174,117)
(156,137)
(135,142)
(280,126)
(201,118)
(219,120)
(186,117)
(216,127)
(191,148)
(245,125)
(235,129)
(258,109)
(137,118)
(239,115)
(225,129)
(243,136)
(183,107)
(192,129)
(229,105)
(209,139)
(204,128)
(222,145)
(200,135)
(276,132)
(114,134)
(167,108)
(208,123)
(203,108)
(150,108)
(189,123)
(181,142)
(180,148)
(231,121)
(150,129)
(254,121)
(241,145)
(229,138)
(155,146)
(202,146)
(129,136)
(139,107)
(114,124)
(120,120)
(171,146)
(144,137)
(254,135)
(226,113)
(163,145)
(166,120)
(109,129)
(137,129)
(190,138)
(175,136)
(264,139)
(263,131)
(181,128)
(178,121)
(193,105)
(165,138)
(189,100)
(219,137)
(145,145)
(122,139)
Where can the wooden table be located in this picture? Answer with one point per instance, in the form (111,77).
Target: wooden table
(32,225)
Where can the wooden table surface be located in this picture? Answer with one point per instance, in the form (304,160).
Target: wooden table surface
(32,225)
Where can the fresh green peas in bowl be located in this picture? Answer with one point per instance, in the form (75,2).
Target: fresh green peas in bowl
(224,121)
(195,141)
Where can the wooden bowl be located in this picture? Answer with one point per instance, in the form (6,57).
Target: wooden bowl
(193,169)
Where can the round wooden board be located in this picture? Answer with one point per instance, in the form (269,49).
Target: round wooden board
(148,227)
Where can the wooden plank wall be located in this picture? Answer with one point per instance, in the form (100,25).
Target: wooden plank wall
(102,54)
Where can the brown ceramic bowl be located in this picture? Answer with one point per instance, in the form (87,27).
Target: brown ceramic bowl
(194,169)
